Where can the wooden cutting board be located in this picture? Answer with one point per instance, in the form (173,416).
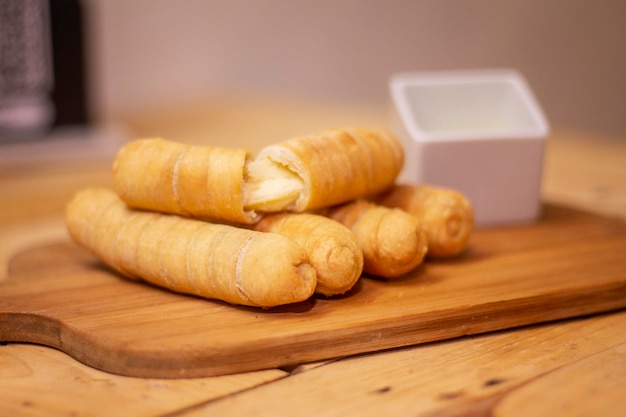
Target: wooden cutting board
(569,264)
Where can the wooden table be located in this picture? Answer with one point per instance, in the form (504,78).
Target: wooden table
(568,368)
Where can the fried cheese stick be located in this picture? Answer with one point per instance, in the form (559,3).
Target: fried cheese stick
(216,261)
(393,241)
(194,181)
(332,248)
(322,170)
(446,215)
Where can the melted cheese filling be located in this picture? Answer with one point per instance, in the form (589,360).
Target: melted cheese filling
(270,186)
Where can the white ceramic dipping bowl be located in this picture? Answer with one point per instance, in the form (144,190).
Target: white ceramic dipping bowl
(481,132)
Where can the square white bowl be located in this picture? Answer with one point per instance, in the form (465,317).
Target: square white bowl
(481,132)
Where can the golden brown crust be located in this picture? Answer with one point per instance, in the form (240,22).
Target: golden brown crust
(194,181)
(338,165)
(332,248)
(446,214)
(216,261)
(393,241)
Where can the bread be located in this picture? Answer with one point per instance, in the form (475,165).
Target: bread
(193,181)
(216,261)
(322,170)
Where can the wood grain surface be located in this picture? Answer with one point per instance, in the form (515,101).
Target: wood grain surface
(557,369)
(569,264)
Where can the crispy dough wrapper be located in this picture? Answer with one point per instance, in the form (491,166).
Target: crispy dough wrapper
(332,248)
(446,215)
(194,181)
(393,241)
(328,168)
(236,265)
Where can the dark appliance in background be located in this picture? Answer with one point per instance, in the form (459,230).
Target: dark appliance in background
(43,83)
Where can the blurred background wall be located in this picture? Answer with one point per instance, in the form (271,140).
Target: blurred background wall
(156,53)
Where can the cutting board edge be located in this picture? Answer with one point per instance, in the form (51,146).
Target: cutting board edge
(152,363)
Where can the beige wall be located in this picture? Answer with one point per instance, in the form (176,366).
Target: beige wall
(147,53)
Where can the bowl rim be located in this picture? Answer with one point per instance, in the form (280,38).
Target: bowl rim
(399,82)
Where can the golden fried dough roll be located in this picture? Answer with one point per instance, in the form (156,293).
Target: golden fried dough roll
(393,241)
(194,181)
(321,170)
(216,261)
(332,248)
(446,215)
